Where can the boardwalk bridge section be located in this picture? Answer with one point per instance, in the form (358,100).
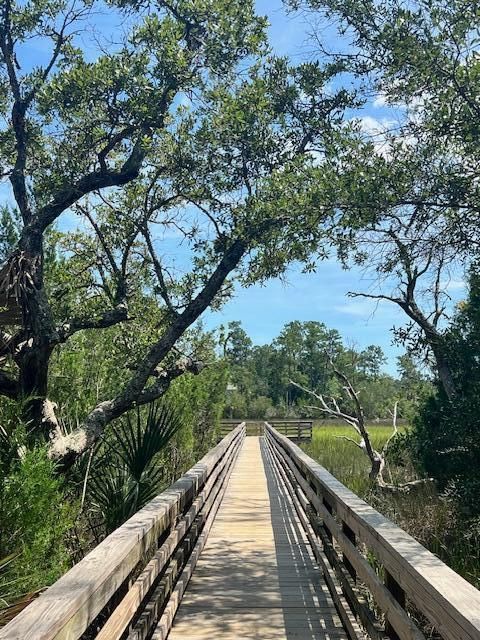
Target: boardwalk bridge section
(257,540)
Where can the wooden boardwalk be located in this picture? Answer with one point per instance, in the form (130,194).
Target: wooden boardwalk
(230,551)
(256,577)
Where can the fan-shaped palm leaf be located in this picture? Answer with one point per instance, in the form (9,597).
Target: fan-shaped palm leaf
(126,473)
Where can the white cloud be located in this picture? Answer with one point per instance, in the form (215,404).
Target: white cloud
(455,284)
(375,126)
(380,100)
(377,129)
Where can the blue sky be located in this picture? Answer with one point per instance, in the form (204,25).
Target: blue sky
(321,296)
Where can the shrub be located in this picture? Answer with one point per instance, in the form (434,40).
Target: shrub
(35,519)
(259,408)
(127,468)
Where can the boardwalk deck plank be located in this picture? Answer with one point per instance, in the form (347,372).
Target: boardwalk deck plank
(257,577)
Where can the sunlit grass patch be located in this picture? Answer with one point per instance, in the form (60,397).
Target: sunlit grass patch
(430,518)
(342,458)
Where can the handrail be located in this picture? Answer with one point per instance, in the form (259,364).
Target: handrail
(448,601)
(168,527)
(298,430)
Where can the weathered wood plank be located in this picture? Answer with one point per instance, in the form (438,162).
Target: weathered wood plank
(406,628)
(444,597)
(257,563)
(129,605)
(164,625)
(349,622)
(67,608)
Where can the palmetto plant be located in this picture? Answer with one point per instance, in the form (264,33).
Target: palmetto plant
(126,468)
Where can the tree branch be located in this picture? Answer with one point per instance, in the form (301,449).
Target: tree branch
(66,449)
(93,181)
(106,319)
(17,177)
(162,286)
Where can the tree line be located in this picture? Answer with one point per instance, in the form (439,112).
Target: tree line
(273,380)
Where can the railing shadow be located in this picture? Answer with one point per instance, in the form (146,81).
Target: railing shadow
(308,611)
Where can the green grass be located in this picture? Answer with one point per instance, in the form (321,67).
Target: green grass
(342,458)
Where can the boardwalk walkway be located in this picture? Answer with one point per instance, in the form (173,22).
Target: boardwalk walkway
(232,548)
(256,577)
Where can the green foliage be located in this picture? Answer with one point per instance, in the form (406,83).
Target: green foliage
(236,405)
(236,343)
(35,516)
(405,193)
(148,449)
(8,232)
(447,432)
(127,471)
(261,408)
(91,94)
(186,125)
(200,401)
(260,376)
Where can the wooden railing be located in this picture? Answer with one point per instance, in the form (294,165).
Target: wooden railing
(380,578)
(297,430)
(138,574)
(252,427)
(365,557)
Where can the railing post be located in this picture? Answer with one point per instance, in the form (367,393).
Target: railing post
(329,508)
(353,539)
(399,594)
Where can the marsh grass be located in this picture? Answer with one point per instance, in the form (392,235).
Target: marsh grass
(345,461)
(430,518)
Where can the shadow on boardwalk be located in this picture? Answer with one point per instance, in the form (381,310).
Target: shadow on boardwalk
(256,578)
(306,602)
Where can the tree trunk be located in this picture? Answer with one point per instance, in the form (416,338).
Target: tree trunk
(33,387)
(444,371)
(38,333)
(436,342)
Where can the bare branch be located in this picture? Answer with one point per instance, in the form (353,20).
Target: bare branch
(357,444)
(371,296)
(157,266)
(101,237)
(395,429)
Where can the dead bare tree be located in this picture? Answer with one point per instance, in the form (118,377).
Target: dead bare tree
(356,419)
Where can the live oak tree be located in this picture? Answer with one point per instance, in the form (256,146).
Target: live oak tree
(174,123)
(410,190)
(413,265)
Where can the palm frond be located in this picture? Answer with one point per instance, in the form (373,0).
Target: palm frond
(126,471)
(138,442)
